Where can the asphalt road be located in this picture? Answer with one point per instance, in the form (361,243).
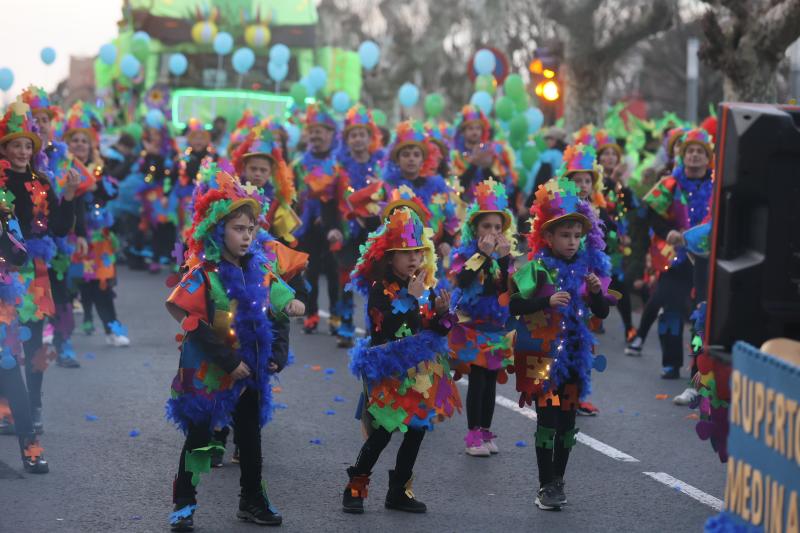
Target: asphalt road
(113,455)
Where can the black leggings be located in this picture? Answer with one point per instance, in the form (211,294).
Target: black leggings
(246,435)
(12,387)
(671,293)
(103,299)
(64,321)
(163,242)
(480,397)
(624,304)
(34,377)
(555,429)
(321,261)
(406,455)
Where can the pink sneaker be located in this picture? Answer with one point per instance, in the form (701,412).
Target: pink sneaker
(475,444)
(489,441)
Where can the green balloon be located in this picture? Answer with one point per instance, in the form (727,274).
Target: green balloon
(504,108)
(298,93)
(134,129)
(521,103)
(379,117)
(486,83)
(530,154)
(514,86)
(541,144)
(517,143)
(434,105)
(518,128)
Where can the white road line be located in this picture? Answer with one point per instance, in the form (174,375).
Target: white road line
(692,492)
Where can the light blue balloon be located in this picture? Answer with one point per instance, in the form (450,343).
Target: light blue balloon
(129,65)
(277,72)
(483,101)
(7,362)
(279,54)
(484,61)
(48,55)
(311,89)
(141,36)
(6,79)
(178,64)
(340,101)
(369,53)
(408,95)
(155,118)
(535,119)
(223,43)
(317,77)
(293,134)
(243,60)
(108,53)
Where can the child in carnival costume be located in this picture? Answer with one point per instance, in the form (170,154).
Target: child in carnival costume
(244,126)
(555,294)
(476,156)
(58,163)
(94,260)
(412,163)
(482,342)
(358,171)
(404,361)
(42,216)
(223,303)
(320,234)
(12,333)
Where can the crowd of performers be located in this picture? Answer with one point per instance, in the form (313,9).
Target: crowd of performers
(470,265)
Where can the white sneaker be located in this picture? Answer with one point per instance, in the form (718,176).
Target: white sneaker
(118,341)
(491,445)
(478,451)
(686,397)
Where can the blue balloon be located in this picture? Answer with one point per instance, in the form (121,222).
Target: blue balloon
(223,43)
(48,55)
(155,118)
(535,119)
(483,101)
(484,61)
(108,53)
(7,362)
(243,60)
(311,90)
(293,134)
(279,54)
(340,101)
(277,72)
(141,36)
(129,65)
(6,79)
(178,64)
(408,95)
(317,77)
(369,53)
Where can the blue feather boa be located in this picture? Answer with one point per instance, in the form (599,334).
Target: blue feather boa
(43,248)
(471,300)
(572,349)
(357,171)
(697,192)
(394,358)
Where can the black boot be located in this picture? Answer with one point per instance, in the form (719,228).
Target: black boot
(355,492)
(400,497)
(33,457)
(182,518)
(257,509)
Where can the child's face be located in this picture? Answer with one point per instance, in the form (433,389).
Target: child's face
(239,233)
(257,170)
(406,263)
(358,139)
(18,152)
(409,159)
(584,182)
(565,239)
(197,142)
(80,146)
(473,133)
(609,159)
(489,224)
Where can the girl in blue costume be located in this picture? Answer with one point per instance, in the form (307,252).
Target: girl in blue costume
(481,341)
(226,360)
(404,362)
(556,293)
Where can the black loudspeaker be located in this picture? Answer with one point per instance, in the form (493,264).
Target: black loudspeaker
(754,268)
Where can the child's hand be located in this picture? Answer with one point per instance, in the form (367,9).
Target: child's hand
(560,299)
(675,238)
(272,366)
(417,285)
(594,283)
(295,308)
(638,284)
(442,302)
(503,247)
(486,244)
(444,250)
(335,235)
(240,372)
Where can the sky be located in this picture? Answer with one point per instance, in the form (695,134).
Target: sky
(71,27)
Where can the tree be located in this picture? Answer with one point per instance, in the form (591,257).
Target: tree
(595,34)
(745,40)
